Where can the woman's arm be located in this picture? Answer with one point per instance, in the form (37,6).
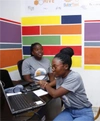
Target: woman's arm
(55,92)
(28,78)
(52,79)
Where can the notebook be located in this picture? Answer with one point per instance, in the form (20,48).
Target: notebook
(21,102)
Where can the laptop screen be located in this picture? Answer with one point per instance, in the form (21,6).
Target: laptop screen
(6,80)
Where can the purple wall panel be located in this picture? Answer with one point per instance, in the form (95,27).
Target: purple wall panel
(92,31)
(10,33)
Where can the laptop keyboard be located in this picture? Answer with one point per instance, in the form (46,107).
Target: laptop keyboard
(20,102)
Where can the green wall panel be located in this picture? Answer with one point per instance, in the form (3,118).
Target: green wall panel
(44,40)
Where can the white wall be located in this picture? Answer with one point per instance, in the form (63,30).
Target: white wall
(91,79)
(15,75)
(10,9)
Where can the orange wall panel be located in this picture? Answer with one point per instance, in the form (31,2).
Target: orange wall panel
(61,29)
(10,57)
(92,55)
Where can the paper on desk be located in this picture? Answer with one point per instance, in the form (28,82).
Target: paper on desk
(10,94)
(40,92)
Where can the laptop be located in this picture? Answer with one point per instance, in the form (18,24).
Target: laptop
(7,82)
(21,102)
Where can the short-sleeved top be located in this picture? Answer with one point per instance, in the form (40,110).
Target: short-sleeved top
(76,97)
(38,69)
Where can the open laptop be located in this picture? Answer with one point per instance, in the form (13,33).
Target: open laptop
(5,77)
(21,102)
(7,82)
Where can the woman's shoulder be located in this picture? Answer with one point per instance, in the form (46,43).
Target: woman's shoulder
(45,59)
(28,59)
(74,74)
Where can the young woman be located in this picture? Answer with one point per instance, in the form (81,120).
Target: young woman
(37,67)
(70,87)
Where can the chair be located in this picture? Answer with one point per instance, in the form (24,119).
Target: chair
(19,65)
(97,115)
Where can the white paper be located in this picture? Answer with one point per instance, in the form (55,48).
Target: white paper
(40,92)
(10,94)
(38,102)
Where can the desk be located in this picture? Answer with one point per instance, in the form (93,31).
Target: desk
(44,113)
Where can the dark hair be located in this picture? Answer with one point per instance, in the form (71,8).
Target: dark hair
(65,56)
(32,47)
(68,50)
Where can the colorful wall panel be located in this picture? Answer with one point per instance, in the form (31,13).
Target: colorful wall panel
(54,33)
(10,44)
(92,45)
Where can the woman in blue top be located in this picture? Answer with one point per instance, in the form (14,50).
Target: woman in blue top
(70,87)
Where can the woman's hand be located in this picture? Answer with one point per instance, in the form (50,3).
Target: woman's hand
(42,83)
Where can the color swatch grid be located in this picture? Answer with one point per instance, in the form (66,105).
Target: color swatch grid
(10,44)
(54,33)
(92,45)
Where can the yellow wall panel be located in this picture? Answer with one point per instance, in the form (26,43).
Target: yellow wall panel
(76,61)
(92,67)
(11,68)
(41,20)
(71,40)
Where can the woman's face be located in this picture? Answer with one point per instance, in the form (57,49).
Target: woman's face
(37,52)
(59,69)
